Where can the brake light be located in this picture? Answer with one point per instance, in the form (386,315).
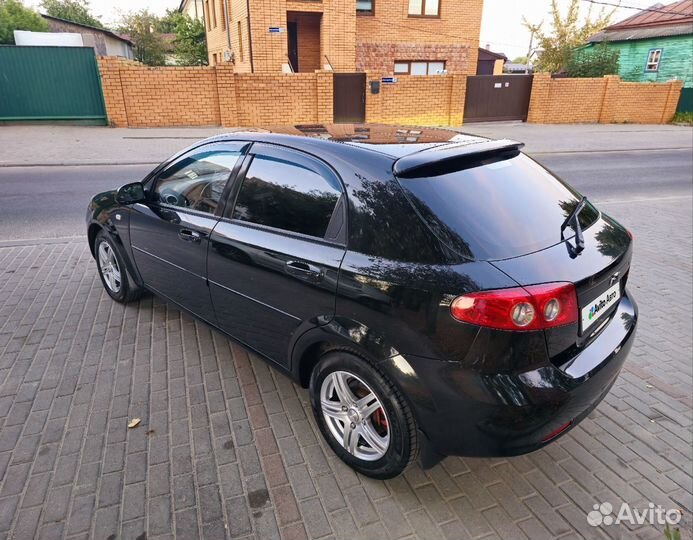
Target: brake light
(534,307)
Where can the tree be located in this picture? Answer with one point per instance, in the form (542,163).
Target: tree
(71,10)
(167,24)
(14,16)
(520,60)
(148,46)
(567,33)
(190,42)
(594,62)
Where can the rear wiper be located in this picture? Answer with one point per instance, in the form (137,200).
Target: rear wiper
(573,218)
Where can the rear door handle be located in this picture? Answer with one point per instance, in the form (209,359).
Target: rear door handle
(302,269)
(189,235)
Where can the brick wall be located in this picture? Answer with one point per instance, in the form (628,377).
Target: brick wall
(391,34)
(141,96)
(601,100)
(266,99)
(349,41)
(436,100)
(382,56)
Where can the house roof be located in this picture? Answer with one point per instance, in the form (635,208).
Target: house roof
(485,54)
(659,20)
(88,27)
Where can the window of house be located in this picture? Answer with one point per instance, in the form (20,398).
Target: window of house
(424,8)
(365,7)
(214,14)
(240,40)
(197,181)
(653,58)
(405,67)
(222,11)
(207,17)
(287,193)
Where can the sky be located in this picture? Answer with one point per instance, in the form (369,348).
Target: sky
(501,25)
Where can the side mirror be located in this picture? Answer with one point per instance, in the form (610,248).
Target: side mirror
(131,193)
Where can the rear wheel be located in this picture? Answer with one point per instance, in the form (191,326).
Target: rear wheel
(362,416)
(114,276)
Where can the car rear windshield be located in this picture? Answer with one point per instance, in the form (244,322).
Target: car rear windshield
(497,211)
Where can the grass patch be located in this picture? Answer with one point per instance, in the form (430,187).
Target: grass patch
(685,118)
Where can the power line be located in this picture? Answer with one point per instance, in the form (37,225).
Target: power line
(653,10)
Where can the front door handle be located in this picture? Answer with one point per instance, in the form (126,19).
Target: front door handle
(189,235)
(304,270)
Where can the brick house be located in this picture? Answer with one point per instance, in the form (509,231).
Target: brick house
(400,37)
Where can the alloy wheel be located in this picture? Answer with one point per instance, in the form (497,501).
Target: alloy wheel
(355,416)
(108,264)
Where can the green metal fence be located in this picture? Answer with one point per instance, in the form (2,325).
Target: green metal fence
(686,100)
(50,84)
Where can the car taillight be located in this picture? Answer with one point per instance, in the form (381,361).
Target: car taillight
(534,307)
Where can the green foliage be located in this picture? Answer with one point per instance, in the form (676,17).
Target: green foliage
(167,24)
(71,10)
(190,42)
(683,118)
(147,44)
(567,33)
(672,535)
(520,60)
(594,62)
(14,16)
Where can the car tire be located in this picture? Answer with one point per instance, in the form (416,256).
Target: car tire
(377,442)
(112,270)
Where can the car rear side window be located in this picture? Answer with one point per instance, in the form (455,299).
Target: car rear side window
(287,193)
(197,181)
(497,211)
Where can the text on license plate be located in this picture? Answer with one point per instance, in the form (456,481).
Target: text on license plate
(600,305)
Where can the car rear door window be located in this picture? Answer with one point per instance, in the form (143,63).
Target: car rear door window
(497,211)
(288,191)
(197,181)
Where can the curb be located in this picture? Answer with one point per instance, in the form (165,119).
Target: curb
(79,164)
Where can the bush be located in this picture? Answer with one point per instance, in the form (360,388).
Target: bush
(595,62)
(683,118)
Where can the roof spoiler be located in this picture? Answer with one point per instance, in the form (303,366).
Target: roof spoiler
(449,158)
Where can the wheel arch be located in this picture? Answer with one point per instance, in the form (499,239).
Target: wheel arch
(354,338)
(94,229)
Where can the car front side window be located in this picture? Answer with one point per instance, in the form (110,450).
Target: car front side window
(197,181)
(289,194)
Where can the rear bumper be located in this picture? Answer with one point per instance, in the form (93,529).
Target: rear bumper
(467,412)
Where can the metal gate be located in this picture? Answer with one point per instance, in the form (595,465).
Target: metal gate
(50,83)
(349,98)
(493,98)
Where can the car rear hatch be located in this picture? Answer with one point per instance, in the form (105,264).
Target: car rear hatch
(498,205)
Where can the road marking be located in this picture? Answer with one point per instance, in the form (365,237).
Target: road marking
(644,199)
(610,151)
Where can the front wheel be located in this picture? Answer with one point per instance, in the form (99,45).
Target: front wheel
(362,416)
(112,272)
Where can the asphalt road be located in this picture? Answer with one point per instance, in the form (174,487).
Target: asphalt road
(50,202)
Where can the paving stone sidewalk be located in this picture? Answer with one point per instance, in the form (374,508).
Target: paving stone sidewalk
(227,447)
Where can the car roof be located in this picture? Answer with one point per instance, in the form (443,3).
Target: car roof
(394,141)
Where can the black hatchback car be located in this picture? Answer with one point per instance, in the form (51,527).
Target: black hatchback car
(438,293)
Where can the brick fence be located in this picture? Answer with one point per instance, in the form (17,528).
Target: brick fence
(141,96)
(606,100)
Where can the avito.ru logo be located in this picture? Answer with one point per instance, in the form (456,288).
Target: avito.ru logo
(654,515)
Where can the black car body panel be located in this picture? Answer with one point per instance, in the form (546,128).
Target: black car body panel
(381,281)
